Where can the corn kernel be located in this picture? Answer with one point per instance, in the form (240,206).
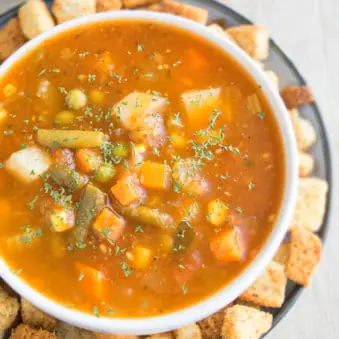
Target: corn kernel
(217,212)
(141,257)
(9,90)
(65,118)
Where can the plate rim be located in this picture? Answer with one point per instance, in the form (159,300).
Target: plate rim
(323,135)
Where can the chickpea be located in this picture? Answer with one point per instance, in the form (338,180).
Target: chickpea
(76,99)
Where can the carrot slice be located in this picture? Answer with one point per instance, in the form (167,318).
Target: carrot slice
(126,192)
(91,280)
(225,246)
(88,160)
(155,175)
(109,225)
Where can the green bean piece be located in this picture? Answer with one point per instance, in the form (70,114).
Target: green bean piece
(69,178)
(183,238)
(92,200)
(54,138)
(149,216)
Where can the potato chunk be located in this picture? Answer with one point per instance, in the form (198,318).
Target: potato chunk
(35,18)
(108,5)
(141,114)
(217,212)
(9,308)
(199,106)
(187,177)
(60,219)
(28,164)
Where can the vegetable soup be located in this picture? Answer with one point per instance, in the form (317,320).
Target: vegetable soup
(141,169)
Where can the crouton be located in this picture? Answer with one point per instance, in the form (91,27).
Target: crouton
(311,203)
(216,28)
(26,332)
(11,38)
(115,336)
(273,78)
(35,18)
(108,5)
(167,335)
(9,309)
(194,13)
(70,9)
(283,253)
(188,332)
(243,322)
(304,131)
(65,331)
(253,39)
(269,289)
(295,96)
(306,164)
(2,334)
(32,316)
(211,326)
(304,255)
(138,3)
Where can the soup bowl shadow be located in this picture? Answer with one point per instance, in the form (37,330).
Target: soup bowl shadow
(196,312)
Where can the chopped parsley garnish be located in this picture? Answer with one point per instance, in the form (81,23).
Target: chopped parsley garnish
(251,186)
(184,289)
(140,47)
(261,115)
(33,202)
(126,269)
(139,229)
(81,276)
(96,311)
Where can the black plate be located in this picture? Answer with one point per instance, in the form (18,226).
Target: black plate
(288,74)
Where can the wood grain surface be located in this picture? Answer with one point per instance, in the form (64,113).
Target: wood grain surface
(308,31)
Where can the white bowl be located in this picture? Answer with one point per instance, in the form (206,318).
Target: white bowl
(230,292)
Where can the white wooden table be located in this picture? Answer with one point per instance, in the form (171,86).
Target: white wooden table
(308,31)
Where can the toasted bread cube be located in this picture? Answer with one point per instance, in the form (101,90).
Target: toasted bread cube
(269,289)
(70,9)
(65,331)
(138,3)
(26,332)
(188,332)
(155,175)
(112,336)
(32,316)
(244,322)
(217,212)
(211,326)
(28,164)
(225,246)
(141,257)
(311,204)
(305,253)
(199,106)
(3,115)
(167,335)
(35,18)
(273,78)
(253,39)
(11,38)
(216,28)
(295,96)
(304,131)
(60,219)
(109,225)
(306,164)
(108,5)
(283,253)
(126,191)
(9,309)
(194,13)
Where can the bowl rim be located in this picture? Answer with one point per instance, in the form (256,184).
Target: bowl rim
(205,307)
